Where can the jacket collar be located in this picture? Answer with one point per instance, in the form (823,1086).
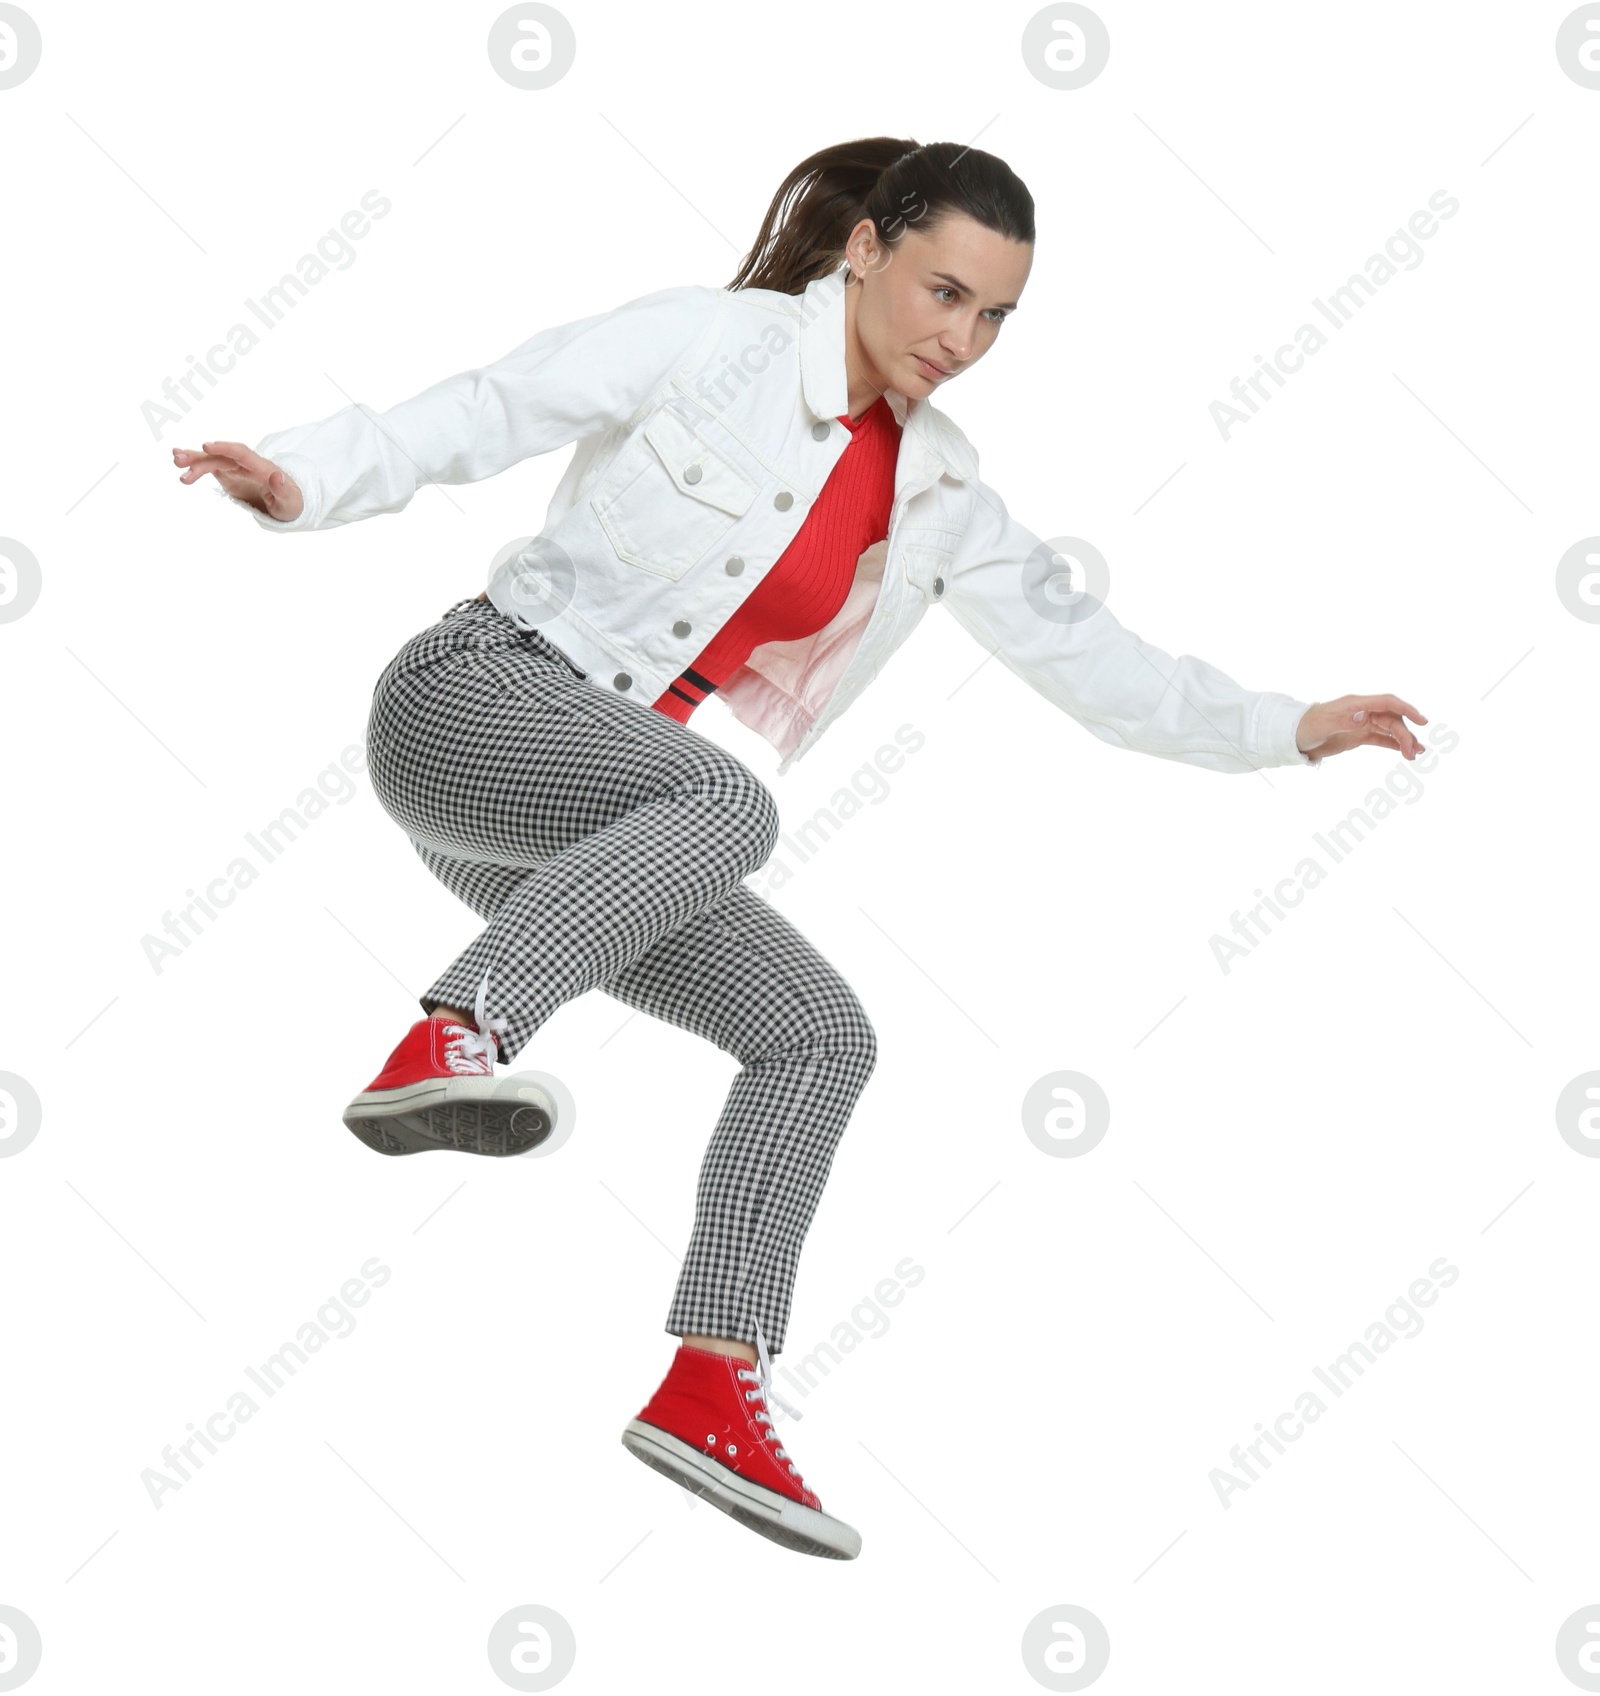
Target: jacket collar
(826,385)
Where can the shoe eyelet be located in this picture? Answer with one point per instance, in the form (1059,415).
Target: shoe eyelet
(733,1448)
(711,1438)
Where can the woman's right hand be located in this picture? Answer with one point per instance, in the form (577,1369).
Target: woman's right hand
(245,475)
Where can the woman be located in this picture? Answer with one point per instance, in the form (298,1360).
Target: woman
(762,502)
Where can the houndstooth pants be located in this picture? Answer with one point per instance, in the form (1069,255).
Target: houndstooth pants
(606,844)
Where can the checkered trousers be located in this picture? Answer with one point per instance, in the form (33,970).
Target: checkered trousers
(605,846)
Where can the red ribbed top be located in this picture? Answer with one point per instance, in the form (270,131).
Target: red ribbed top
(810,579)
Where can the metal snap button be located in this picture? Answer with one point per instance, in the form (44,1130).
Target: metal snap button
(622,681)
(820,432)
(783,501)
(681,628)
(938,585)
(734,566)
(693,474)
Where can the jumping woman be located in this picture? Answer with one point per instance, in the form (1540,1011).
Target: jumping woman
(762,504)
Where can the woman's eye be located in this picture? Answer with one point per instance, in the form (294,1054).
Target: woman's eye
(995,314)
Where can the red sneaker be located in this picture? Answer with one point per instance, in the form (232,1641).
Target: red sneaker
(438,1090)
(711,1433)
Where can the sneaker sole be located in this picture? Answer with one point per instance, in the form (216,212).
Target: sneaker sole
(497,1117)
(785,1521)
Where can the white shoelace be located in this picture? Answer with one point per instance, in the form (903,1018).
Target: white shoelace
(474,1051)
(764,1392)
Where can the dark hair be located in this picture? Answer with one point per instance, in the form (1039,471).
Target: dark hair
(897,184)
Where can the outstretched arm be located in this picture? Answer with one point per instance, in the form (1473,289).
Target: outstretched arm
(1007,588)
(561,384)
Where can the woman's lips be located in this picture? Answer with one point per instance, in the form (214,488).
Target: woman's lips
(930,368)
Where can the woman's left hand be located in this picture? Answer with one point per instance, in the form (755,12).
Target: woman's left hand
(1330,727)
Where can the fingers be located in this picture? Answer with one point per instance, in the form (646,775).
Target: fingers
(246,456)
(1387,703)
(1394,704)
(187,456)
(202,463)
(220,453)
(1386,714)
(237,468)
(1391,729)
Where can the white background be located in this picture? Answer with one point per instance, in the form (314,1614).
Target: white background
(1291,1143)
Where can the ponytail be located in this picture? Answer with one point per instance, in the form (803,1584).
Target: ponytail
(898,184)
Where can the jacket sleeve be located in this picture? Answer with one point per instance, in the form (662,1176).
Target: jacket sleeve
(1120,688)
(559,385)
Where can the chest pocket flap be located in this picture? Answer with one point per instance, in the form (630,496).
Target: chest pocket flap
(927,563)
(697,469)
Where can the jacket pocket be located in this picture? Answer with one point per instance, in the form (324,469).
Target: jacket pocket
(670,498)
(927,565)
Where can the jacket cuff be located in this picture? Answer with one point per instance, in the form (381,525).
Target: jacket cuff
(304,473)
(1280,718)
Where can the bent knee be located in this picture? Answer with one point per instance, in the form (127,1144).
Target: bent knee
(825,1023)
(868,1049)
(752,805)
(851,1032)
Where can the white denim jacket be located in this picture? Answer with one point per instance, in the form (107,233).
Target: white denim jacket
(706,423)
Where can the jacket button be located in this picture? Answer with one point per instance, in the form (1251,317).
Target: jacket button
(734,566)
(783,501)
(681,628)
(693,474)
(938,585)
(622,681)
(820,432)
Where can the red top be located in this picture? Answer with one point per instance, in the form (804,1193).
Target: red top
(810,579)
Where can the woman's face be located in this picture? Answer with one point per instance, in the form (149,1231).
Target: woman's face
(930,307)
